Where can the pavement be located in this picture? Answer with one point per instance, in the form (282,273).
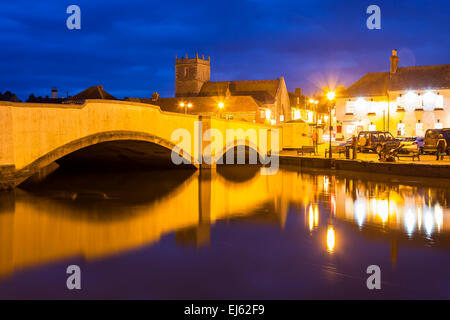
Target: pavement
(424,159)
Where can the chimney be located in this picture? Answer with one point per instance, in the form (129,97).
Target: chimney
(298,92)
(155,96)
(54,93)
(394,62)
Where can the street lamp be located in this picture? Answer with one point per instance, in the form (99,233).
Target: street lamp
(330,95)
(316,102)
(185,106)
(220,105)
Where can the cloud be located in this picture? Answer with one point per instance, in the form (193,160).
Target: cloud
(129,47)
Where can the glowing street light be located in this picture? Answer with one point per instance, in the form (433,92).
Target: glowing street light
(330,95)
(220,105)
(185,106)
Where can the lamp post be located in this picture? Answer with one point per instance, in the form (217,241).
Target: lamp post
(316,102)
(220,105)
(185,106)
(330,95)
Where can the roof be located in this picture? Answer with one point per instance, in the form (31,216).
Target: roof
(8,96)
(264,91)
(406,78)
(237,104)
(40,99)
(293,99)
(95,92)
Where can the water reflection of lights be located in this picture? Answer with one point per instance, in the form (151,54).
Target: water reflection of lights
(313,217)
(326,182)
(410,221)
(360,211)
(438,216)
(382,210)
(316,216)
(333,204)
(428,221)
(331,239)
(419,218)
(394,211)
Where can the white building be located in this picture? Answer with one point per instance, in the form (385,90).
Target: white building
(405,101)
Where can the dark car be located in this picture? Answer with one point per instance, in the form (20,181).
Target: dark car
(431,138)
(373,140)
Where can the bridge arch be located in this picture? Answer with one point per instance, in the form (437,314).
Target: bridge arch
(234,146)
(92,141)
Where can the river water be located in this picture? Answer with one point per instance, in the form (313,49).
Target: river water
(231,234)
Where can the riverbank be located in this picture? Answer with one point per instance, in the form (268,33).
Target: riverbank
(369,164)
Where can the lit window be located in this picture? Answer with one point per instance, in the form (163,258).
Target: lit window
(439,102)
(429,101)
(297,114)
(350,129)
(350,107)
(372,127)
(438,125)
(400,129)
(419,129)
(263,114)
(360,106)
(281,117)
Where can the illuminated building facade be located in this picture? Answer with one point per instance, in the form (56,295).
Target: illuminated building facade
(405,101)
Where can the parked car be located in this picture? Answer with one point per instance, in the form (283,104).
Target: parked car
(431,138)
(373,140)
(410,144)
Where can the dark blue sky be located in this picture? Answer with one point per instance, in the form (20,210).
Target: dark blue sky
(130,46)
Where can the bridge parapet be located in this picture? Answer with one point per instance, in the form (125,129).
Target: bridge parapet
(32,136)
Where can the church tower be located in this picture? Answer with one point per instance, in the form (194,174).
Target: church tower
(190,75)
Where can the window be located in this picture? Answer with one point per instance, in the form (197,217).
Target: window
(438,125)
(350,107)
(281,117)
(400,129)
(350,129)
(372,127)
(263,114)
(419,129)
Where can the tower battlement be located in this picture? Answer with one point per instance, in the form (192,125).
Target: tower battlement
(191,74)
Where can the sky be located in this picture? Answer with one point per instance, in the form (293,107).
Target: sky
(129,47)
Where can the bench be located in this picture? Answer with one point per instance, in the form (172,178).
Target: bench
(336,149)
(306,149)
(411,154)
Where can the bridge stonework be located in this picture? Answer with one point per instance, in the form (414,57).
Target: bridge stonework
(33,136)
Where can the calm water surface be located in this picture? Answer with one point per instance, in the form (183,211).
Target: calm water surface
(230,234)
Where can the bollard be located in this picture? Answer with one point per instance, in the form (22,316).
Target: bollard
(347,152)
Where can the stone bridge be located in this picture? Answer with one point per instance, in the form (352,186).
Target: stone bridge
(34,136)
